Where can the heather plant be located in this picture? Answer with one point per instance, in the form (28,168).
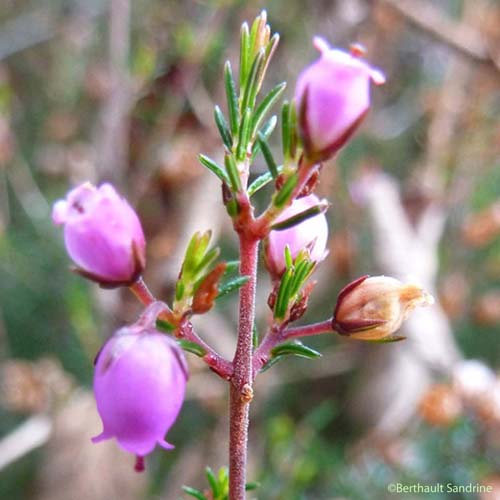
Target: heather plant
(140,373)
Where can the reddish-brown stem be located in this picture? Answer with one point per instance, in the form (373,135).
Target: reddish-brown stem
(276,335)
(142,292)
(241,382)
(215,361)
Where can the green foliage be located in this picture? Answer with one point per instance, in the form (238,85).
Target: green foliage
(293,280)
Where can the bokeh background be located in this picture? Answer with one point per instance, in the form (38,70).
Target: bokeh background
(124,91)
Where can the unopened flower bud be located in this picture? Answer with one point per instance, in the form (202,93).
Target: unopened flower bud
(102,233)
(311,234)
(374,308)
(139,385)
(332,98)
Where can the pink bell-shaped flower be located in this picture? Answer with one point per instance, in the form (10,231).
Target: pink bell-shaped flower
(332,97)
(139,384)
(311,234)
(102,233)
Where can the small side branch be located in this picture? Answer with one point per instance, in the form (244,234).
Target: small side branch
(278,334)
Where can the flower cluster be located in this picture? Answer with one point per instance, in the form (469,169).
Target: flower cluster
(140,373)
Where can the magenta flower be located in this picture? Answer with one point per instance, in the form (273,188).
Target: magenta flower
(139,385)
(103,234)
(332,97)
(312,234)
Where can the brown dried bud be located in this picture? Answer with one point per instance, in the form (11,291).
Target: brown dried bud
(300,307)
(207,292)
(374,308)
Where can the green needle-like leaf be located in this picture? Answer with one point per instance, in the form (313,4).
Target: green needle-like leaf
(288,257)
(213,167)
(212,480)
(261,181)
(164,326)
(300,217)
(295,348)
(283,298)
(266,131)
(264,107)
(248,100)
(232,99)
(244,136)
(232,285)
(207,260)
(244,54)
(252,486)
(193,492)
(192,347)
(232,172)
(285,130)
(223,128)
(268,155)
(282,197)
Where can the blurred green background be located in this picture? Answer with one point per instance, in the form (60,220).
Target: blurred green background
(124,91)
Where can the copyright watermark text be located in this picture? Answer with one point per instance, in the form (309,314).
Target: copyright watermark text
(439,488)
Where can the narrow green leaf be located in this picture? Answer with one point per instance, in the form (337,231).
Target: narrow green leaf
(254,30)
(192,347)
(261,181)
(232,172)
(193,492)
(283,195)
(212,480)
(250,92)
(295,348)
(292,124)
(270,363)
(270,49)
(179,290)
(252,486)
(195,253)
(164,326)
(266,131)
(386,340)
(207,260)
(264,107)
(300,217)
(283,298)
(244,136)
(223,477)
(285,130)
(232,208)
(223,128)
(268,155)
(298,277)
(232,98)
(244,54)
(255,336)
(232,285)
(213,167)
(232,266)
(288,256)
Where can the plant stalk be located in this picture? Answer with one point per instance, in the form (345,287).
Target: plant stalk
(241,392)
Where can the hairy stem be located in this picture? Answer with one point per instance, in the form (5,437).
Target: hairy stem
(241,383)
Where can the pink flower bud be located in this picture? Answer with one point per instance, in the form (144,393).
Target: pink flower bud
(139,384)
(312,234)
(332,97)
(374,308)
(103,234)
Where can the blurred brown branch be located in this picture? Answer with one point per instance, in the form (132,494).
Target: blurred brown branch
(457,35)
